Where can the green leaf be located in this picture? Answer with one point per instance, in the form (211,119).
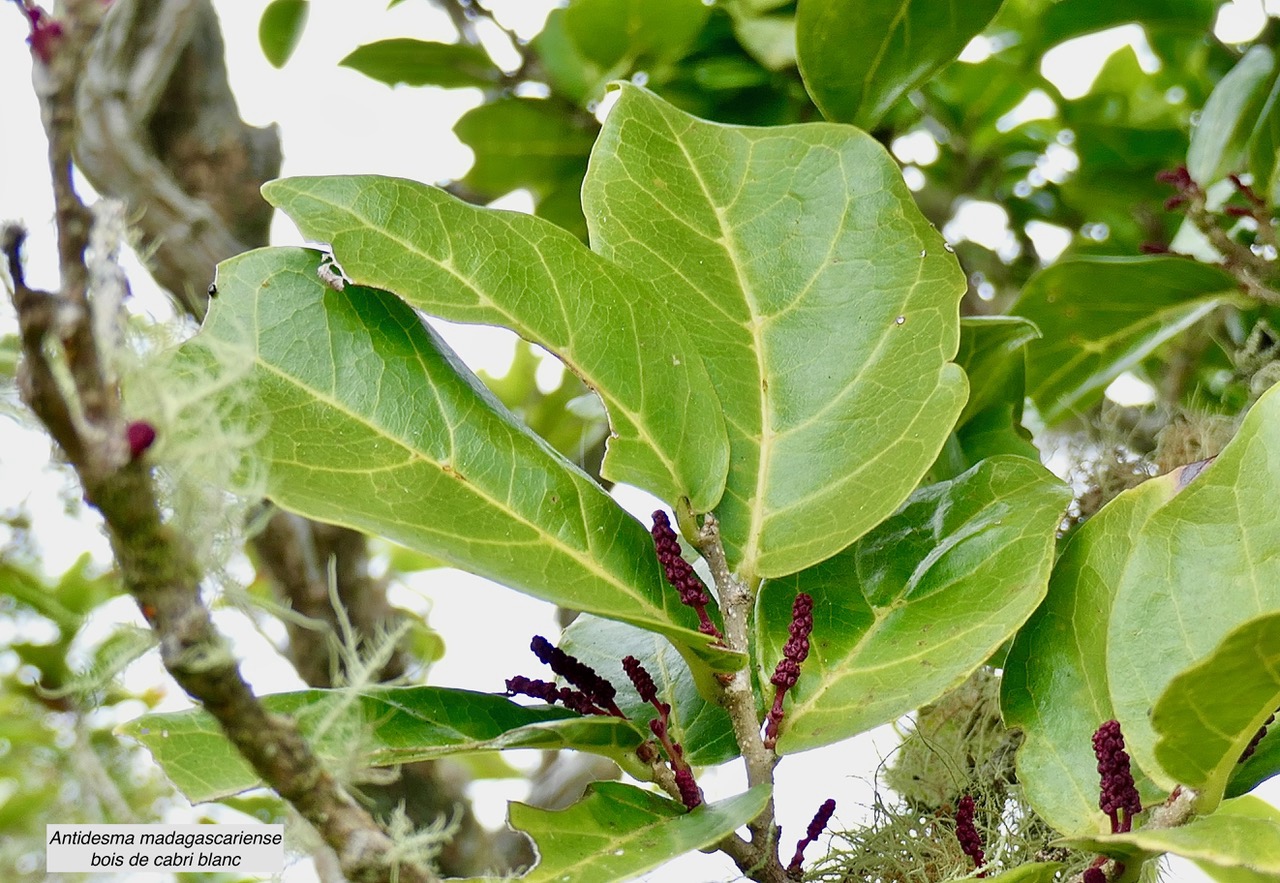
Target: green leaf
(591,42)
(1031,872)
(1206,563)
(915,606)
(1211,711)
(1218,141)
(569,74)
(1101,316)
(424,63)
(858,57)
(769,38)
(702,727)
(618,36)
(823,304)
(28,589)
(524,142)
(1264,142)
(379,726)
(1055,677)
(280,29)
(1244,834)
(381,428)
(1065,19)
(617,831)
(993,356)
(475,265)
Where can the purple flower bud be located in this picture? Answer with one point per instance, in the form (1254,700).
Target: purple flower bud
(582,676)
(640,679)
(690,794)
(1117,791)
(693,593)
(141,435)
(967,833)
(786,674)
(816,827)
(1094,875)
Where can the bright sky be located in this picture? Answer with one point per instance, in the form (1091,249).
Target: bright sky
(336,121)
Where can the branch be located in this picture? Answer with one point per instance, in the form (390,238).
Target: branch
(759,858)
(158,128)
(84,417)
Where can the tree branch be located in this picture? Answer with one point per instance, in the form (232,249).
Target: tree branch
(759,858)
(84,416)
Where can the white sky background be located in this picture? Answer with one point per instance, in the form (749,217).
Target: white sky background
(336,121)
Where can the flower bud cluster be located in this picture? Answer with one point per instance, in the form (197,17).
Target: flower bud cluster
(967,833)
(596,695)
(693,593)
(582,676)
(1118,792)
(819,822)
(574,700)
(787,672)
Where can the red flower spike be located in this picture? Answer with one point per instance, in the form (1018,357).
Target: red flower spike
(690,793)
(967,834)
(816,827)
(640,679)
(787,673)
(582,676)
(693,593)
(1117,792)
(141,435)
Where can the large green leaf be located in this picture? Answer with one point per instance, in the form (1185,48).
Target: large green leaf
(1244,834)
(701,727)
(1210,712)
(1101,316)
(367,419)
(424,63)
(1055,676)
(476,265)
(1218,141)
(993,356)
(617,831)
(823,304)
(380,726)
(1202,566)
(915,606)
(860,56)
